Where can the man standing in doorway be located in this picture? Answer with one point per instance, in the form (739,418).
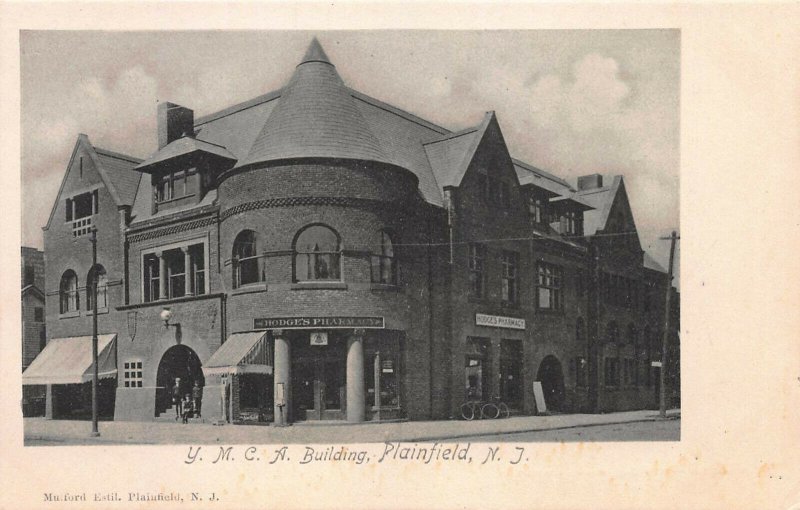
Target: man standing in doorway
(197,398)
(176,398)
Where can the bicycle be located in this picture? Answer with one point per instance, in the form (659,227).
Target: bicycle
(491,410)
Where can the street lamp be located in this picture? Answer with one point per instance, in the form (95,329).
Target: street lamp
(93,272)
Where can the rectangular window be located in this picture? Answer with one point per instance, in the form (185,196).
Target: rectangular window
(476,369)
(132,374)
(549,290)
(509,262)
(536,210)
(611,372)
(197,255)
(151,278)
(38,314)
(173,185)
(477,275)
(176,273)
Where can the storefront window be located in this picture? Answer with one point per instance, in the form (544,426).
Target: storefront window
(383,374)
(476,369)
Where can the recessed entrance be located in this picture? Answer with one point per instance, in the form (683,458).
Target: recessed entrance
(179,362)
(552,378)
(318,379)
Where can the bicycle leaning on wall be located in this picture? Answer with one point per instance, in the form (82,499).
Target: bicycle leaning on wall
(479,409)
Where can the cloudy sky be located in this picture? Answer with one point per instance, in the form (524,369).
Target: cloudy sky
(570,102)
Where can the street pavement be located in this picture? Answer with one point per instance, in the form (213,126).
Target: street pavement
(662,430)
(39,431)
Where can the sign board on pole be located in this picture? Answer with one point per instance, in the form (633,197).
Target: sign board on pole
(538,393)
(656,364)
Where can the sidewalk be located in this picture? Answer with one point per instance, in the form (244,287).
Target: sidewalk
(77,432)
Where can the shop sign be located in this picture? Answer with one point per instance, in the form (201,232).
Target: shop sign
(498,321)
(319,338)
(319,323)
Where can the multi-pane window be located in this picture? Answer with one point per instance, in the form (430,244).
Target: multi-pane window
(97,276)
(69,299)
(184,273)
(495,191)
(132,374)
(476,369)
(247,264)
(509,261)
(477,273)
(317,254)
(384,268)
(549,290)
(152,281)
(578,369)
(536,210)
(173,185)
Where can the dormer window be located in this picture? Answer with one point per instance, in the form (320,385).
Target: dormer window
(175,185)
(79,212)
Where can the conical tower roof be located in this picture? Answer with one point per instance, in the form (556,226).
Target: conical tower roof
(316,117)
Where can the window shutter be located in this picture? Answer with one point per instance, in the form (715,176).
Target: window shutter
(69,209)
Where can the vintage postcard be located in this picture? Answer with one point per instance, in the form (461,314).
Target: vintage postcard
(384,257)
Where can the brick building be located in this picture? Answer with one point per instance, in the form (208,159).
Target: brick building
(315,254)
(34,335)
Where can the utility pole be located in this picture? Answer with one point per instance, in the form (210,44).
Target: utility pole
(662,407)
(95,276)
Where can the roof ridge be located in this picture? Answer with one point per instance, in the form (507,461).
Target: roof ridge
(238,107)
(117,155)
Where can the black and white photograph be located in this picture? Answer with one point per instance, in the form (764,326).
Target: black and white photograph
(478,246)
(400,256)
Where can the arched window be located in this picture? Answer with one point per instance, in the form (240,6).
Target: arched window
(248,266)
(384,267)
(97,274)
(68,292)
(317,254)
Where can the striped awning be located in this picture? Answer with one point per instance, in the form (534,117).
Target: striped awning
(242,353)
(69,361)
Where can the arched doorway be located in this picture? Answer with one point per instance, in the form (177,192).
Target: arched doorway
(552,378)
(179,362)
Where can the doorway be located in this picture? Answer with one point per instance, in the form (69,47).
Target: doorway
(511,383)
(552,378)
(318,381)
(178,362)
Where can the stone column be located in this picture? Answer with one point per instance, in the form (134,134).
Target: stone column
(187,268)
(355,377)
(282,376)
(162,275)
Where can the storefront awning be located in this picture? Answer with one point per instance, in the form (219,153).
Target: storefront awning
(69,361)
(242,353)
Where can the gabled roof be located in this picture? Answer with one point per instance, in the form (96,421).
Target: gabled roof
(115,171)
(184,146)
(316,117)
(529,174)
(450,155)
(601,199)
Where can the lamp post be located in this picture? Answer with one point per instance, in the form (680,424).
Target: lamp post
(93,239)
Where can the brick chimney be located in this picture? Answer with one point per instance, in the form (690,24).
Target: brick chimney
(173,122)
(591,181)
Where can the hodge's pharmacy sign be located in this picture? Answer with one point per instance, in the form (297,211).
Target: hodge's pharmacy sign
(498,321)
(319,323)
